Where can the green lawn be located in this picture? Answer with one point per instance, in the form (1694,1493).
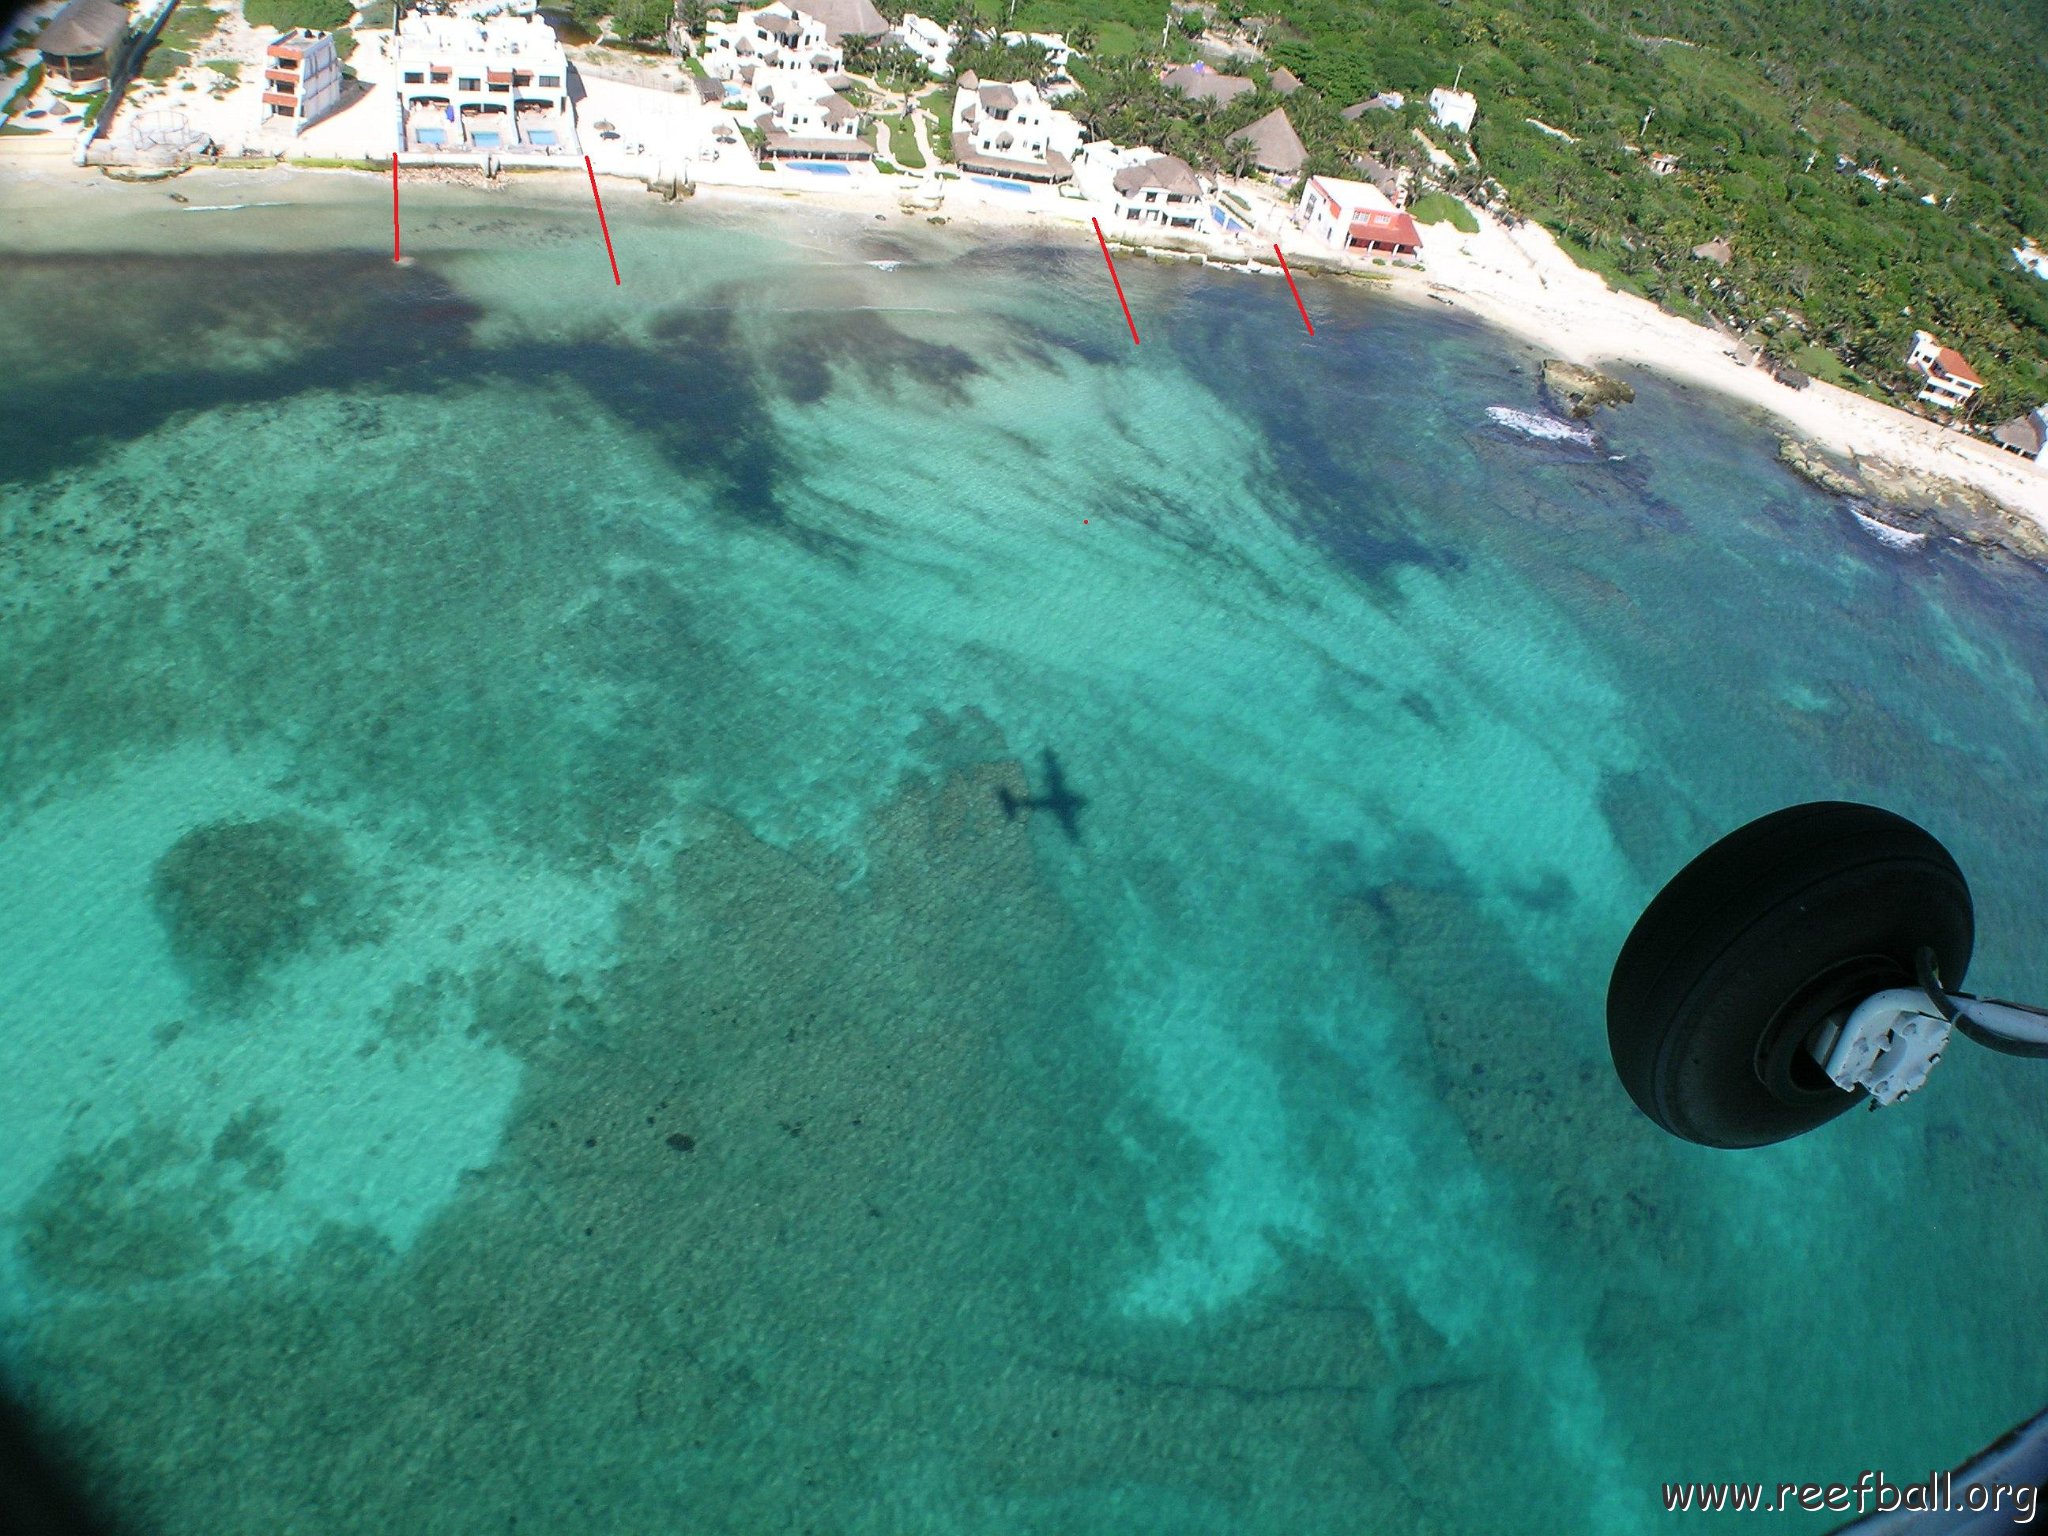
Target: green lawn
(1822,364)
(941,103)
(1442,208)
(163,62)
(1116,39)
(903,143)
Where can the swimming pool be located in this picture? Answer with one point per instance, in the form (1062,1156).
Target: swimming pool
(1001,185)
(542,136)
(487,139)
(431,136)
(817,170)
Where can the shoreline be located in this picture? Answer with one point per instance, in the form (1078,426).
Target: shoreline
(1516,281)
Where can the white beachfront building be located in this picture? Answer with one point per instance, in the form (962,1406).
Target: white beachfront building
(811,123)
(1143,187)
(1329,204)
(301,78)
(1355,216)
(1950,381)
(1453,109)
(924,37)
(775,42)
(497,87)
(1010,129)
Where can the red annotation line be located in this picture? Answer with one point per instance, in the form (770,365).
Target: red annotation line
(1295,291)
(394,205)
(602,226)
(1115,279)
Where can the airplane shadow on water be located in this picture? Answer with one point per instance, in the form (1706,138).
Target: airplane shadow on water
(1063,802)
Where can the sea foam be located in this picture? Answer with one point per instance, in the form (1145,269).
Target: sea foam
(1550,429)
(1885,533)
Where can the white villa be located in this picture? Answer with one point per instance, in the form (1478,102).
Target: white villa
(927,39)
(1011,130)
(1355,216)
(1950,381)
(2033,258)
(812,125)
(778,40)
(498,87)
(1143,187)
(1453,109)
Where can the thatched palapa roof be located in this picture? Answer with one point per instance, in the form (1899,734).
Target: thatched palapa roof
(1278,145)
(82,28)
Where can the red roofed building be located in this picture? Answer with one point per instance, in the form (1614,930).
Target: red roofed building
(1355,216)
(1950,381)
(1385,234)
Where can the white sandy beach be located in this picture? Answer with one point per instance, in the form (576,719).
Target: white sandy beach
(1519,281)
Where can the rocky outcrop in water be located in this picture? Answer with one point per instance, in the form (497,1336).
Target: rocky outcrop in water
(1918,500)
(1580,391)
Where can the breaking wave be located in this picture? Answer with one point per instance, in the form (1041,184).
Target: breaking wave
(1549,429)
(1885,533)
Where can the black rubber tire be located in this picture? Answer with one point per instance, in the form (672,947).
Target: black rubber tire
(1797,915)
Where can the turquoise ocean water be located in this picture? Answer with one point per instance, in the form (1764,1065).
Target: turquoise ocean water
(525,1010)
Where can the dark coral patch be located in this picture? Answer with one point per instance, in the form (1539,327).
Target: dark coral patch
(236,896)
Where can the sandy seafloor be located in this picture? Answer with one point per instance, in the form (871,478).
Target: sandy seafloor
(524,1010)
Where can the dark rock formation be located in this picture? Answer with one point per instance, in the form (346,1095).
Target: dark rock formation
(1580,391)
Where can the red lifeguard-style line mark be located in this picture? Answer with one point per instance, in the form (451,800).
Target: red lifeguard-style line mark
(1115,279)
(1295,291)
(394,205)
(602,226)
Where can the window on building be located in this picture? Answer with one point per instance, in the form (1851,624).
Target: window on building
(414,77)
(551,80)
(469,83)
(438,76)
(502,90)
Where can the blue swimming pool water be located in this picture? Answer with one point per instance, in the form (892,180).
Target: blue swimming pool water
(543,136)
(486,140)
(1001,185)
(818,170)
(432,136)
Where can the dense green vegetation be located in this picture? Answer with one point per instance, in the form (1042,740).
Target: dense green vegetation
(1945,100)
(637,21)
(189,26)
(1125,102)
(889,64)
(318,15)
